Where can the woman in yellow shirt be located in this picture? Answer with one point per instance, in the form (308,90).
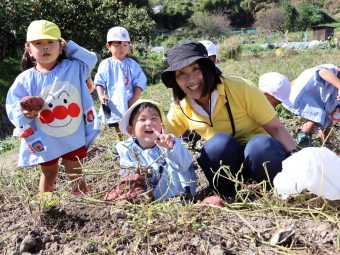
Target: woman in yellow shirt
(233,116)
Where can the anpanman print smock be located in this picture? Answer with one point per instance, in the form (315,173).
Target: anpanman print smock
(67,120)
(118,79)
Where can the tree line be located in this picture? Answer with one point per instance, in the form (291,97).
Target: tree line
(87,21)
(84,21)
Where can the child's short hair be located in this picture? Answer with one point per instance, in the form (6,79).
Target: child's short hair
(140,108)
(136,109)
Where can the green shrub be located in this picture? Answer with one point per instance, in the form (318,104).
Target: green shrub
(230,48)
(9,144)
(153,66)
(249,49)
(311,15)
(270,20)
(85,22)
(291,15)
(10,68)
(210,24)
(175,14)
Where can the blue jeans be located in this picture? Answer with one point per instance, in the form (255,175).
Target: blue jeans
(222,149)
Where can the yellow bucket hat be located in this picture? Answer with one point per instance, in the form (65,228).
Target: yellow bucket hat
(42,29)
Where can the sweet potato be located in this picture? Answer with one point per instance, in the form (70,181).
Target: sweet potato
(132,189)
(32,103)
(214,201)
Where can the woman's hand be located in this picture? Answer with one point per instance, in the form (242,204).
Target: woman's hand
(280,133)
(164,140)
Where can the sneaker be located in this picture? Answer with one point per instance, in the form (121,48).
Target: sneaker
(304,140)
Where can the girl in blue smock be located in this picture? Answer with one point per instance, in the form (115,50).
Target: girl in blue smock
(167,162)
(55,71)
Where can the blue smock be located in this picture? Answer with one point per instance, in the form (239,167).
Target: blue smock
(312,97)
(118,79)
(67,120)
(172,172)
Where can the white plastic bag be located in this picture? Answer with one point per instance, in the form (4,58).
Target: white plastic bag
(314,169)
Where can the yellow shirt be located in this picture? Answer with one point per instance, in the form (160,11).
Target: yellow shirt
(249,107)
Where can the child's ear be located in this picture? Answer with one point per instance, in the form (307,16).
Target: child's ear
(27,49)
(62,47)
(107,45)
(130,130)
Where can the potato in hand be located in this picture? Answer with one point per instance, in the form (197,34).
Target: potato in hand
(32,103)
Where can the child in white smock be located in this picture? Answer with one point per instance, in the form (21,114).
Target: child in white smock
(315,96)
(167,162)
(119,79)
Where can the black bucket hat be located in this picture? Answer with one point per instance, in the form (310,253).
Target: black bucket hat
(182,55)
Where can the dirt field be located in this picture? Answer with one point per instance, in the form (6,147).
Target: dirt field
(66,224)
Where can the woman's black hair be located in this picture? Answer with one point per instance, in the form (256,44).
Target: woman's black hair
(28,61)
(140,108)
(211,77)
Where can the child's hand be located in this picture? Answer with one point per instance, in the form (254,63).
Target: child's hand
(104,99)
(164,140)
(144,171)
(89,84)
(63,43)
(31,105)
(30,114)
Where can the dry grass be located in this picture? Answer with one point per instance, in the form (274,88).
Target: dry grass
(244,226)
(88,225)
